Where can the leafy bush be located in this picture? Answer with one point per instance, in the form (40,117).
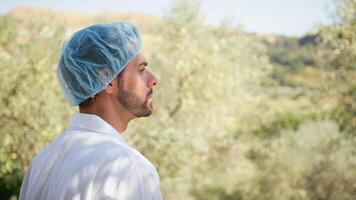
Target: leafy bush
(33,111)
(314,162)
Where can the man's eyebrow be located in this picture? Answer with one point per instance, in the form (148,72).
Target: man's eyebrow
(143,64)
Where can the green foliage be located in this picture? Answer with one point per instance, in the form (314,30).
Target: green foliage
(345,112)
(33,111)
(205,75)
(292,56)
(313,162)
(283,121)
(341,37)
(296,53)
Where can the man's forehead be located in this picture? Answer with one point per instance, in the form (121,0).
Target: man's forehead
(137,60)
(140,57)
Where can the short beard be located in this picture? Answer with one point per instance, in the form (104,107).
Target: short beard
(131,102)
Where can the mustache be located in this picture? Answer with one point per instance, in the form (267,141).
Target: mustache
(149,93)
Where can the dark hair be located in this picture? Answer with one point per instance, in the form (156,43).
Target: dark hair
(87,102)
(91,100)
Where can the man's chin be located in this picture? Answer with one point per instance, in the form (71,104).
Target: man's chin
(145,114)
(149,109)
(146,111)
(149,105)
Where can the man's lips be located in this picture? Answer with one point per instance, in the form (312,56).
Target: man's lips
(149,98)
(149,94)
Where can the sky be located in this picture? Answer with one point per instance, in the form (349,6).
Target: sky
(283,17)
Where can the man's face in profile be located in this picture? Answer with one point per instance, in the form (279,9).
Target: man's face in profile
(135,85)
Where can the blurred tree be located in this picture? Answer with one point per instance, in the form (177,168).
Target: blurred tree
(314,162)
(341,37)
(208,83)
(33,110)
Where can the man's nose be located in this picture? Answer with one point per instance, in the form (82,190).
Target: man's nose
(152,81)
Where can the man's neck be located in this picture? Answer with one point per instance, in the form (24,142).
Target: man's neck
(116,116)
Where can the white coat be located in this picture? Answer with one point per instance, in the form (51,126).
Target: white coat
(90,160)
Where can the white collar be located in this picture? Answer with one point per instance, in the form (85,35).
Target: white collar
(94,123)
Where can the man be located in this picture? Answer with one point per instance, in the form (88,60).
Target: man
(102,69)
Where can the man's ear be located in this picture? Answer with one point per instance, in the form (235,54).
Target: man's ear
(110,89)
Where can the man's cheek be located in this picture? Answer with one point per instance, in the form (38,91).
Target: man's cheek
(130,84)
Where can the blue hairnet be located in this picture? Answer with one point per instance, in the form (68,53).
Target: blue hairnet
(93,57)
